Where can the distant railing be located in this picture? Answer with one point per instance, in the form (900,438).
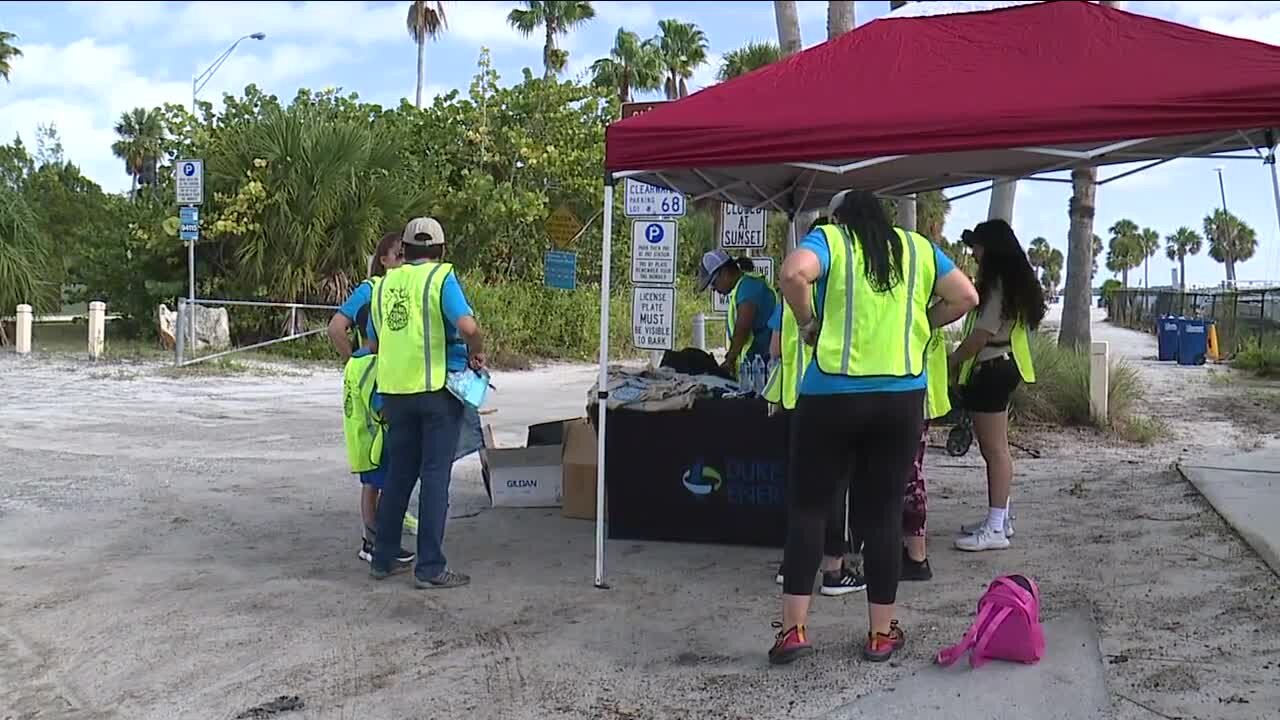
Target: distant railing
(1238,314)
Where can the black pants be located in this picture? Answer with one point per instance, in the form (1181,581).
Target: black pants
(878,434)
(834,543)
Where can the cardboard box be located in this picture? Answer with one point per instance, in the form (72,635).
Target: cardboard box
(579,462)
(521,477)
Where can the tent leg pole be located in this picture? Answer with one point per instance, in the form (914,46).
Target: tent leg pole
(1275,184)
(602,396)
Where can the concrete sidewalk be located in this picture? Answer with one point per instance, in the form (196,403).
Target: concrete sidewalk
(1068,684)
(1245,490)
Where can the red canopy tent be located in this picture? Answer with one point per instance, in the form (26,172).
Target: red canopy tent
(905,105)
(902,105)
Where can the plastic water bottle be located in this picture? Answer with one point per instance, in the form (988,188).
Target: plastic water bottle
(758,376)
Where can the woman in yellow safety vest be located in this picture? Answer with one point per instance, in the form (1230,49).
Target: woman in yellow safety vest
(361,405)
(793,356)
(990,363)
(860,290)
(751,302)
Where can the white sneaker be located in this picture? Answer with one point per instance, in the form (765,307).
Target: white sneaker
(972,528)
(984,539)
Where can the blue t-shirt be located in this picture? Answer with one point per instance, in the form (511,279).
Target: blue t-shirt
(754,291)
(816,382)
(455,306)
(357,309)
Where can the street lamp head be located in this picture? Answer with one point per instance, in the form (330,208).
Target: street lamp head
(1218,169)
(259,36)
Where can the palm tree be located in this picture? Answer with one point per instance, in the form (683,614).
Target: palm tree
(1051,271)
(141,133)
(555,17)
(1230,240)
(1125,252)
(749,57)
(633,64)
(788,21)
(327,206)
(1038,252)
(8,51)
(1149,241)
(683,48)
(1183,242)
(30,260)
(424,23)
(1075,331)
(839,18)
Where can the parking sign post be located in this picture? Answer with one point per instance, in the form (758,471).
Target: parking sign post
(188,184)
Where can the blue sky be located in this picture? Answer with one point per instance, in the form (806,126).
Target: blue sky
(86,62)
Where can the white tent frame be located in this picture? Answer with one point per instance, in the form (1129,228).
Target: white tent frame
(813,183)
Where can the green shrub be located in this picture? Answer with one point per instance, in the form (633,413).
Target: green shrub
(1060,395)
(1260,356)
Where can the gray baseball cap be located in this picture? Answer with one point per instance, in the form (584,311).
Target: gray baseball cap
(423,231)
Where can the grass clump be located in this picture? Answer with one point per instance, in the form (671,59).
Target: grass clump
(1060,395)
(1259,356)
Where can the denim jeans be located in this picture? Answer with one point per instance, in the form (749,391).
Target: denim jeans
(420,443)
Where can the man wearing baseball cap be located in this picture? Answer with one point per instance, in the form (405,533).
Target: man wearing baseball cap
(751,303)
(426,329)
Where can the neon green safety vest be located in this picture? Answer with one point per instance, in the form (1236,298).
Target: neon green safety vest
(361,427)
(731,322)
(1019,342)
(408,316)
(937,399)
(875,334)
(784,382)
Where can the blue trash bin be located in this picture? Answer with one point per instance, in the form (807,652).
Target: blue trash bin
(1193,341)
(1167,337)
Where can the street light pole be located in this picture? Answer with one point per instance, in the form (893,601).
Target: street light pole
(197,84)
(1222,229)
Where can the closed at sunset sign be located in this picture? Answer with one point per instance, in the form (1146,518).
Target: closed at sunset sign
(742,228)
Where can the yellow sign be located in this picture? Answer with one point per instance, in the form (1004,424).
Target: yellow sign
(562,227)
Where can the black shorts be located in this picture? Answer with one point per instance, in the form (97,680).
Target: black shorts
(991,386)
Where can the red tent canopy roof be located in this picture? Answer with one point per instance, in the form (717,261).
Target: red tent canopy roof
(1058,74)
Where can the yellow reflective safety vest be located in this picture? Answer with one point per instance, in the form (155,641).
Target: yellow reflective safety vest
(1019,342)
(361,427)
(866,333)
(937,399)
(783,387)
(408,317)
(731,321)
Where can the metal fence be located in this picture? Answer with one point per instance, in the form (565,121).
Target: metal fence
(1238,315)
(184,332)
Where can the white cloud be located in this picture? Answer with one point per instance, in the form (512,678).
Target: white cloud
(634,16)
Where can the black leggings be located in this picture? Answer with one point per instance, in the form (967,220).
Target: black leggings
(834,543)
(879,434)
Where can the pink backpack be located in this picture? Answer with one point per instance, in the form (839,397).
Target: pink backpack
(1007,626)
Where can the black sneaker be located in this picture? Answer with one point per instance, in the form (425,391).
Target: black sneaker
(842,582)
(446,579)
(913,571)
(405,557)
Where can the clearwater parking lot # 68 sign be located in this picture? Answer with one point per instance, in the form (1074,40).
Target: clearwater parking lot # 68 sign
(644,200)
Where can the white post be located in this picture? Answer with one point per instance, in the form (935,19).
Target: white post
(1001,207)
(97,328)
(700,331)
(602,395)
(24,318)
(1099,381)
(191,291)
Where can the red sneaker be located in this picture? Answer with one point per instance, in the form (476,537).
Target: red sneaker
(789,645)
(881,646)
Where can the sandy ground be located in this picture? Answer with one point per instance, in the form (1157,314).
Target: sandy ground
(185,548)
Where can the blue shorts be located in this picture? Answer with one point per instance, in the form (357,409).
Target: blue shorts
(377,477)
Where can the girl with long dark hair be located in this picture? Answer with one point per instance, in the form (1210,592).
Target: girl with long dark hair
(990,363)
(860,290)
